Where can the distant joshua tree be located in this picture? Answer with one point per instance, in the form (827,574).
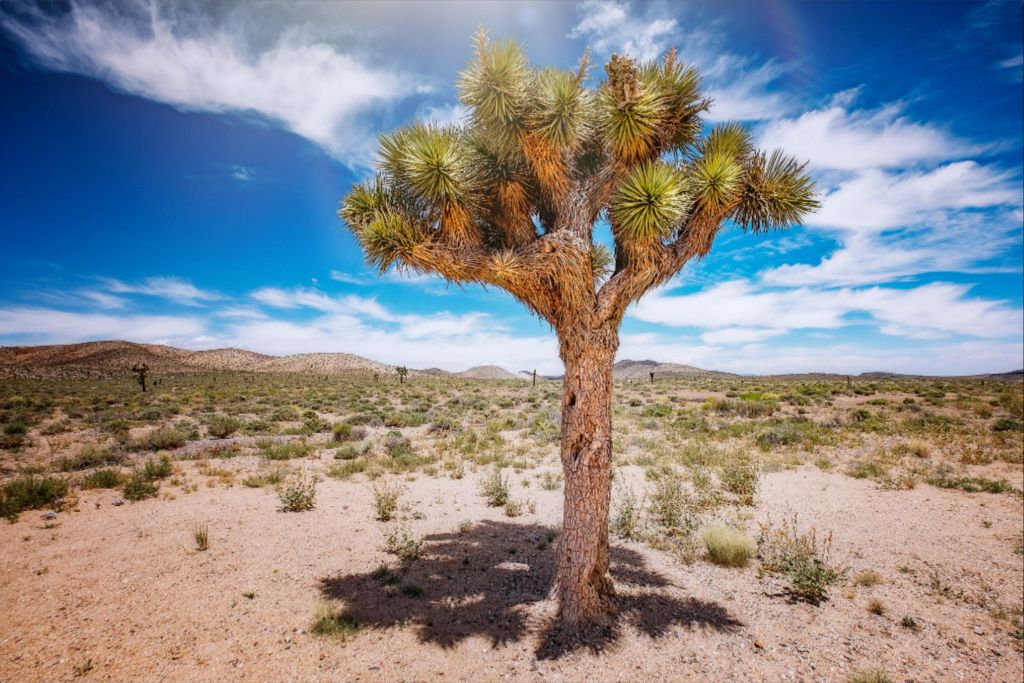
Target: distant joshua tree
(403,372)
(652,378)
(510,198)
(141,370)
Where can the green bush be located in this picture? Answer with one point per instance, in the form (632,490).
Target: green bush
(161,439)
(90,456)
(30,492)
(298,496)
(138,487)
(221,426)
(102,479)
(495,489)
(740,477)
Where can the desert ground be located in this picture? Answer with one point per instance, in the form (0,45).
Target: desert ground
(237,526)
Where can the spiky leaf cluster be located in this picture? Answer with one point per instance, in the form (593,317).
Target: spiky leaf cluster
(510,197)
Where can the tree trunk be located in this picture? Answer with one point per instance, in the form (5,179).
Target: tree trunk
(582,583)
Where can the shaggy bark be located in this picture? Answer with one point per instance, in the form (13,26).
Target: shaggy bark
(582,581)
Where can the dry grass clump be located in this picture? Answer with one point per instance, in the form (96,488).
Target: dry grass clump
(329,621)
(385,500)
(727,545)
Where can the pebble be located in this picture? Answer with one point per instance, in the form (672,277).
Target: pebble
(117,501)
(49,514)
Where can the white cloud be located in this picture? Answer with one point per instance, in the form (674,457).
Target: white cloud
(241,173)
(610,26)
(172,288)
(46,325)
(876,200)
(741,92)
(938,308)
(444,115)
(839,138)
(739,335)
(893,225)
(311,88)
(740,88)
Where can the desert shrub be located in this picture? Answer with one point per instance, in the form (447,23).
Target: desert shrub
(910,623)
(405,419)
(30,492)
(313,423)
(221,426)
(871,676)
(346,452)
(495,488)
(1007,424)
(102,479)
(800,557)
(139,487)
(90,456)
(740,477)
(551,481)
(401,542)
(201,535)
(513,507)
(411,590)
(668,502)
(626,521)
(656,410)
(160,439)
(727,545)
(867,469)
(914,447)
(328,621)
(742,408)
(298,495)
(385,500)
(285,451)
(867,578)
(341,431)
(346,469)
(972,484)
(876,606)
(396,445)
(157,468)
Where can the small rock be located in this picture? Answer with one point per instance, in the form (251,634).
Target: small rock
(49,514)
(977,629)
(117,501)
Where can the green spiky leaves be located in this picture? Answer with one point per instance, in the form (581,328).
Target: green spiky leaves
(717,172)
(562,109)
(777,193)
(648,202)
(389,238)
(496,86)
(429,160)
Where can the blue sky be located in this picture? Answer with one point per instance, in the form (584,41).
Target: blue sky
(171,172)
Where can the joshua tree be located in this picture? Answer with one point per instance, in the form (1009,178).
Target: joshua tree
(652,378)
(140,370)
(403,372)
(510,198)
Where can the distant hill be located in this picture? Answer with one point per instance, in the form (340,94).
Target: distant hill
(642,369)
(112,358)
(487,372)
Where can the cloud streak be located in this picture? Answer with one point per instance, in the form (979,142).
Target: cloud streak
(310,88)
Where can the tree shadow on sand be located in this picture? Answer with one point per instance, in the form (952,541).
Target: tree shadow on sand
(482,582)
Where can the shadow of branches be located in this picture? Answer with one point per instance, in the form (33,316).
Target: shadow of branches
(483,582)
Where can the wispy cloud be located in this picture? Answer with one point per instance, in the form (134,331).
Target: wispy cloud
(837,137)
(739,86)
(47,325)
(311,88)
(173,289)
(941,308)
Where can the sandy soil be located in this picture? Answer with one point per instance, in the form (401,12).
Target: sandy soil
(125,588)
